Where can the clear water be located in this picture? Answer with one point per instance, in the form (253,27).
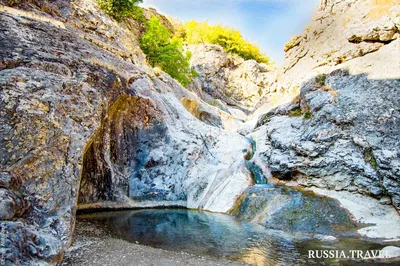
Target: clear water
(217,235)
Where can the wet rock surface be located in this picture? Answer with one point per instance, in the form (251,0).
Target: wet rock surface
(153,152)
(287,209)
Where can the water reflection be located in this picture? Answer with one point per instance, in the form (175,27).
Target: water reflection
(207,234)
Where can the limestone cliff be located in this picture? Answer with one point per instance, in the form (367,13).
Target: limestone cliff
(228,79)
(85,123)
(342,130)
(341,30)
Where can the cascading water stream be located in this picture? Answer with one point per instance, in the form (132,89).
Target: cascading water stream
(255,170)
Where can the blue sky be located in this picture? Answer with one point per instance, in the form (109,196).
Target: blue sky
(267,23)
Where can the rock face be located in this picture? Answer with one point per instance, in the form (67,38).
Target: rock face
(227,77)
(24,245)
(151,152)
(83,117)
(342,131)
(340,31)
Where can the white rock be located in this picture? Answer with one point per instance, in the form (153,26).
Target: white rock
(391,252)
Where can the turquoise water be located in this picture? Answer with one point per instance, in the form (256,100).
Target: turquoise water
(217,235)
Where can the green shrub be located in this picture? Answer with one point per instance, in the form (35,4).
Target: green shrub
(120,9)
(307,115)
(166,52)
(231,40)
(321,79)
(369,157)
(295,112)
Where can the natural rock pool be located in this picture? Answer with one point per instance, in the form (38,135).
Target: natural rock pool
(220,236)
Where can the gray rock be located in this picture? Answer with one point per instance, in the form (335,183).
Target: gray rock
(6,179)
(340,31)
(386,200)
(228,77)
(151,152)
(10,205)
(391,252)
(61,83)
(23,245)
(83,119)
(288,209)
(341,129)
(343,136)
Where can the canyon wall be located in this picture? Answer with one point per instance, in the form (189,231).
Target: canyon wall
(341,131)
(85,123)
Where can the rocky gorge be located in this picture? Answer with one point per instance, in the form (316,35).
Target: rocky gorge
(86,124)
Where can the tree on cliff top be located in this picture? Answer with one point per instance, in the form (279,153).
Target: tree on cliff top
(166,52)
(230,39)
(119,9)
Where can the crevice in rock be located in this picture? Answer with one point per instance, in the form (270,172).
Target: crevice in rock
(357,40)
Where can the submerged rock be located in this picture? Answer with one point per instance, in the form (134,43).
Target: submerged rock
(288,209)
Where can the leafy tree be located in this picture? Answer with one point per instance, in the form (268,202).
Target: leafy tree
(166,52)
(230,39)
(119,9)
(156,36)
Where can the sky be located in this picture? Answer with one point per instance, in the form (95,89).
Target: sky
(266,23)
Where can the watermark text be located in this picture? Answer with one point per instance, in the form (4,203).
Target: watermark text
(348,254)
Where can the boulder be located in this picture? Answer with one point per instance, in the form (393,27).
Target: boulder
(291,210)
